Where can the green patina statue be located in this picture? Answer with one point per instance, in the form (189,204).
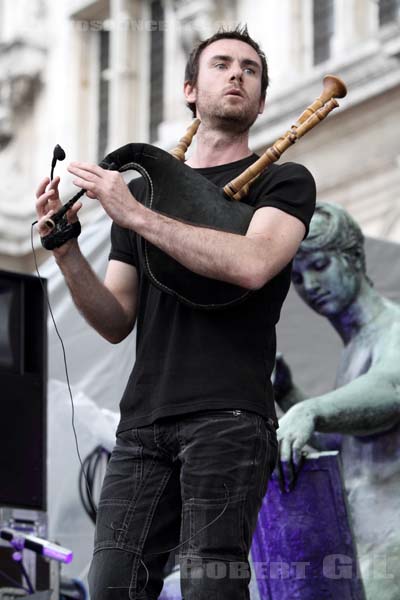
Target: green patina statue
(329,273)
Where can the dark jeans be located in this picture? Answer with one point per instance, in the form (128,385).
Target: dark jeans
(195,481)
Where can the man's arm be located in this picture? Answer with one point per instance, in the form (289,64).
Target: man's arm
(109,307)
(249,261)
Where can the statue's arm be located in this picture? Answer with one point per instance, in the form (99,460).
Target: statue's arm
(368,404)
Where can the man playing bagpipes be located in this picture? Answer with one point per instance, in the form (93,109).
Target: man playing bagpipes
(196,443)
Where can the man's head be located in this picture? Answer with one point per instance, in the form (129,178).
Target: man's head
(226,79)
(330,264)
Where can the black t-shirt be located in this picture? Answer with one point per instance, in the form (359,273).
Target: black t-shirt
(190,359)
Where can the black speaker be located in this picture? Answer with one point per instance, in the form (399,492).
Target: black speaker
(23,399)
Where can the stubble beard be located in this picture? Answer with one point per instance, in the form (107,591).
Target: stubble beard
(219,114)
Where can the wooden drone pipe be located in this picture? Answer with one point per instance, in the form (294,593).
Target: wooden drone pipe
(333,88)
(180,150)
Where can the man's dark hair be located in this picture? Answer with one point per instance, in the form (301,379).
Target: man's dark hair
(239,33)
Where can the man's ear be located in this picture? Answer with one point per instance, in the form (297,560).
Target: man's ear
(190,92)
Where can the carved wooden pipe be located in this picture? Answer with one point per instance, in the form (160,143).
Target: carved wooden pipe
(333,88)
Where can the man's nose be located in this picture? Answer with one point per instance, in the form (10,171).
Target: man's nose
(236,73)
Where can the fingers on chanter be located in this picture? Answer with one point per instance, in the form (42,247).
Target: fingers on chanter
(54,183)
(42,187)
(55,197)
(72,214)
(46,202)
(47,196)
(42,227)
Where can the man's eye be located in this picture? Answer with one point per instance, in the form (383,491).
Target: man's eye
(249,70)
(220,65)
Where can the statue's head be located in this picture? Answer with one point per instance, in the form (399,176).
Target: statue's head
(330,263)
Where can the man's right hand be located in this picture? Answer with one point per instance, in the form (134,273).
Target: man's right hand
(47,204)
(109,307)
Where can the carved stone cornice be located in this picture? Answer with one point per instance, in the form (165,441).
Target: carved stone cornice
(367,74)
(21,65)
(198,19)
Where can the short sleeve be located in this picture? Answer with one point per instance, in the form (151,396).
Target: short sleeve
(123,245)
(291,189)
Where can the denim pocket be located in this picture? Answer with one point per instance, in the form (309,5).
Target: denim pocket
(214,529)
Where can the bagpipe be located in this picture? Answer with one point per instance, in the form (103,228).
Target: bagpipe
(176,190)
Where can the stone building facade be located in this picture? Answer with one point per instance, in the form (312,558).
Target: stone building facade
(93,75)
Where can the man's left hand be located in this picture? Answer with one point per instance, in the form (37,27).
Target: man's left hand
(109,188)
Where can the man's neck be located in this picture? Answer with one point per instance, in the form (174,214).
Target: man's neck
(216,147)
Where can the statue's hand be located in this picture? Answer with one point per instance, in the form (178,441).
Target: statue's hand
(281,378)
(295,429)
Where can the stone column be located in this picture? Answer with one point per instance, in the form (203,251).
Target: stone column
(125,38)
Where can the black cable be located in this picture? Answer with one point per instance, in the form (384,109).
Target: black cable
(72,589)
(147,579)
(89,504)
(91,464)
(64,357)
(26,577)
(89,475)
(184,541)
(199,531)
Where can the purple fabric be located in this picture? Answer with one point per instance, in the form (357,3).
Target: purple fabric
(303,547)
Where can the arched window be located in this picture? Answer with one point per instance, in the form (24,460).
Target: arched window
(323,29)
(103,83)
(389,11)
(156,68)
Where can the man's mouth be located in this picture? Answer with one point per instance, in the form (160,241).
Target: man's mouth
(234,92)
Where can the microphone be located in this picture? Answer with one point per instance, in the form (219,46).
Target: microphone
(41,546)
(58,154)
